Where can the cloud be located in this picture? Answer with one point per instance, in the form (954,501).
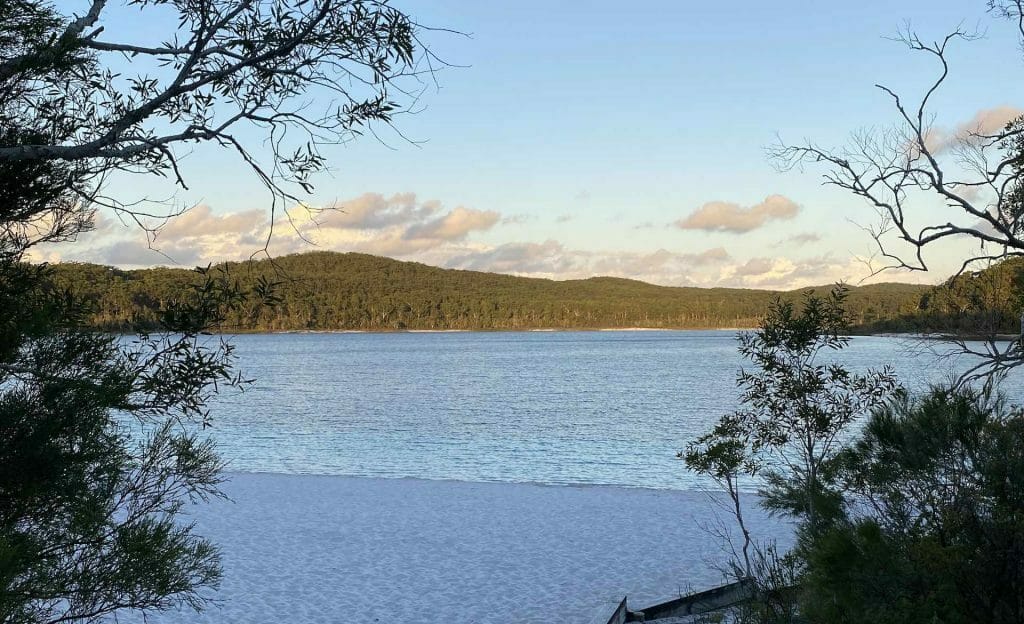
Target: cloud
(661,263)
(798,240)
(517,219)
(402,226)
(373,211)
(377,223)
(564,218)
(202,222)
(788,273)
(989,121)
(755,267)
(551,259)
(138,253)
(547,258)
(970,192)
(986,122)
(720,216)
(398,226)
(714,267)
(455,225)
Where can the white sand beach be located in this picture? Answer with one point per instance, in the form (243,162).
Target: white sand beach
(360,550)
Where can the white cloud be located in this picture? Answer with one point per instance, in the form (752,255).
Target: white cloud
(453,226)
(373,211)
(201,222)
(720,216)
(541,259)
(551,259)
(798,240)
(781,272)
(404,227)
(985,123)
(400,225)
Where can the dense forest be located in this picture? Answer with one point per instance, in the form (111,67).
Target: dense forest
(982,304)
(349,291)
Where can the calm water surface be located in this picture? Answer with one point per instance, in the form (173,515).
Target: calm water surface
(549,407)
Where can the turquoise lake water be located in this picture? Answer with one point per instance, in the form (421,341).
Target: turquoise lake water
(609,407)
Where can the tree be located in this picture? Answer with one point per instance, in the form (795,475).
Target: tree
(795,407)
(89,521)
(796,412)
(289,75)
(977,174)
(724,455)
(99,441)
(917,516)
(933,523)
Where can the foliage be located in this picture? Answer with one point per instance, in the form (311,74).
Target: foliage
(94,467)
(917,516)
(795,408)
(934,527)
(331,291)
(100,435)
(796,412)
(982,305)
(219,69)
(724,455)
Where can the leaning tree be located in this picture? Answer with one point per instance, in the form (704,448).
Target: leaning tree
(933,190)
(98,443)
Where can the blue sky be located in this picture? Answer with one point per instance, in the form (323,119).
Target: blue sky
(579,135)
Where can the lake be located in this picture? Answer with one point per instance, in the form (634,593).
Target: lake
(606,407)
(480,425)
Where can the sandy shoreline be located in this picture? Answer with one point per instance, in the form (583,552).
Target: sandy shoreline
(229,331)
(492,330)
(326,549)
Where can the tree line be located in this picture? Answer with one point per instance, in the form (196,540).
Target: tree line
(351,291)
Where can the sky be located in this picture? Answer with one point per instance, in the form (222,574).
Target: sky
(573,139)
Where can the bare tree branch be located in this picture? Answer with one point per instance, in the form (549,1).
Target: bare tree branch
(971,180)
(303,73)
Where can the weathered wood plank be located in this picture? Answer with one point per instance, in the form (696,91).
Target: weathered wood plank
(694,604)
(616,609)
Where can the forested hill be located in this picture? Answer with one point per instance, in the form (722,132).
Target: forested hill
(980,304)
(336,291)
